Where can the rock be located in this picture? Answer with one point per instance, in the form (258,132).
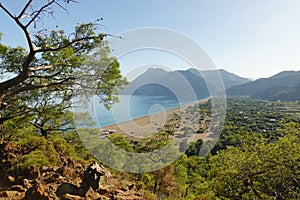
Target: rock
(55,168)
(92,175)
(10,194)
(91,179)
(72,197)
(65,171)
(121,197)
(3,194)
(26,183)
(32,173)
(18,188)
(55,176)
(44,169)
(67,188)
(70,163)
(131,187)
(91,194)
(36,192)
(104,191)
(11,179)
(127,195)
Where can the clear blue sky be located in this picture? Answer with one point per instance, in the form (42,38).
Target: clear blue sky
(252,38)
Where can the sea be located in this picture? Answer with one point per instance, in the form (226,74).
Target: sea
(131,107)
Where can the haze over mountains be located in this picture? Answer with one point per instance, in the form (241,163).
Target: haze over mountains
(283,86)
(190,84)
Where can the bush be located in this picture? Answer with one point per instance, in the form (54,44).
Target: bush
(35,158)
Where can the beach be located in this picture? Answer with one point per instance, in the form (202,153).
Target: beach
(174,119)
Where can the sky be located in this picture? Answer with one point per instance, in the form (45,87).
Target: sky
(251,38)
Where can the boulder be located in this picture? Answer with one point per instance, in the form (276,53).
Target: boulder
(91,194)
(36,192)
(11,179)
(91,179)
(26,183)
(32,173)
(71,197)
(18,188)
(10,194)
(44,169)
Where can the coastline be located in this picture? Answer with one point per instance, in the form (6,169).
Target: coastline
(145,125)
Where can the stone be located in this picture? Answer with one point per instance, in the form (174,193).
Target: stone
(104,191)
(91,194)
(55,168)
(91,179)
(11,179)
(26,183)
(44,168)
(67,188)
(32,173)
(55,176)
(10,194)
(18,188)
(3,194)
(72,197)
(36,192)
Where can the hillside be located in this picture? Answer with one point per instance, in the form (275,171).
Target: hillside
(229,79)
(258,137)
(283,86)
(185,83)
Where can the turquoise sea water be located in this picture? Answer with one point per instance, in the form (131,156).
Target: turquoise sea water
(134,106)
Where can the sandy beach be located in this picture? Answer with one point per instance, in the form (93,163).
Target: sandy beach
(146,126)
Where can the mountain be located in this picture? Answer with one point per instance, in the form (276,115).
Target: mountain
(229,79)
(181,84)
(283,86)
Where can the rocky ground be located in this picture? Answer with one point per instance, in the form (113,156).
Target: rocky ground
(70,180)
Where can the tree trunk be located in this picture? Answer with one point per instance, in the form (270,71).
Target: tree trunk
(155,187)
(187,190)
(1,130)
(1,122)
(44,133)
(256,193)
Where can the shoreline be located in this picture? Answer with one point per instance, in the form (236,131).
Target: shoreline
(145,125)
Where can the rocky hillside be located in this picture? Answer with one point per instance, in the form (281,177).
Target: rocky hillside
(69,180)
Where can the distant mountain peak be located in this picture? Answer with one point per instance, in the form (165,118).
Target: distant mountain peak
(179,80)
(285,73)
(155,69)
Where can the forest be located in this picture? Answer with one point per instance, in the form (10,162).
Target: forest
(257,156)
(43,153)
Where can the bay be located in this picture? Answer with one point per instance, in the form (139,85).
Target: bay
(131,107)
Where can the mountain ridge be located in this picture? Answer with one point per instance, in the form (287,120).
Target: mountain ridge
(283,86)
(193,83)
(185,83)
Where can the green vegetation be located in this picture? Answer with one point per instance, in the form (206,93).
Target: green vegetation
(284,86)
(258,161)
(29,148)
(257,156)
(56,67)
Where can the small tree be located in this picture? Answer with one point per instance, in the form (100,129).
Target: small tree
(54,65)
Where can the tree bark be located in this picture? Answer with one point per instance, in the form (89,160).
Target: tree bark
(44,133)
(1,130)
(187,190)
